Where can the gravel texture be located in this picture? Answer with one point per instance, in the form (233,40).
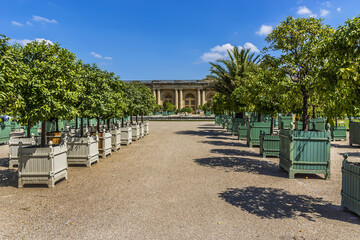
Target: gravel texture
(186,180)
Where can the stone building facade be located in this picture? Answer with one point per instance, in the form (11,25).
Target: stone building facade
(182,93)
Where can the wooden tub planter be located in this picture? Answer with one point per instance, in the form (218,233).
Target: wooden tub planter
(115,139)
(135,132)
(299,125)
(285,122)
(42,165)
(5,130)
(83,150)
(126,135)
(317,124)
(54,137)
(305,152)
(104,143)
(253,132)
(338,132)
(235,125)
(142,131)
(229,124)
(354,133)
(146,128)
(242,131)
(269,145)
(14,145)
(350,192)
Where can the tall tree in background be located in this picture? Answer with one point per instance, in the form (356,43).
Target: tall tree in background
(298,41)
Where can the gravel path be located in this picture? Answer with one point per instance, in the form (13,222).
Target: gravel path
(186,180)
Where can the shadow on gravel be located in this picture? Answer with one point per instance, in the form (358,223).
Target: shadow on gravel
(235,152)
(222,143)
(241,164)
(275,203)
(8,177)
(342,146)
(213,133)
(4,162)
(351,154)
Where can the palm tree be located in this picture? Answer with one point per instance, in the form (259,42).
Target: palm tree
(228,74)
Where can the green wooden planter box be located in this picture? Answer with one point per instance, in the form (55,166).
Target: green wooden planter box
(285,122)
(224,122)
(165,113)
(354,133)
(253,132)
(305,152)
(269,145)
(350,192)
(242,132)
(229,124)
(338,133)
(5,130)
(317,124)
(208,113)
(235,125)
(299,126)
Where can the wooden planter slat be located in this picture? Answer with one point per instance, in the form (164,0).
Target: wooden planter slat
(350,192)
(142,131)
(5,130)
(146,127)
(285,122)
(305,152)
(104,144)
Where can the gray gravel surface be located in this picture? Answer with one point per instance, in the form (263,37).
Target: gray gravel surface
(186,180)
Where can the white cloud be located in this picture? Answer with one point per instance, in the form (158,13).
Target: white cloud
(26,41)
(15,23)
(96,55)
(251,46)
(29,23)
(223,48)
(220,51)
(99,56)
(338,9)
(306,12)
(324,13)
(43,19)
(212,56)
(264,30)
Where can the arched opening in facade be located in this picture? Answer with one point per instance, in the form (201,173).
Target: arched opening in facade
(190,101)
(169,99)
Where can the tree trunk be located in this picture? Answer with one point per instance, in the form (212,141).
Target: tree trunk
(305,109)
(88,122)
(272,126)
(136,119)
(43,133)
(335,121)
(259,117)
(98,124)
(108,123)
(81,126)
(314,115)
(76,123)
(239,115)
(122,122)
(142,118)
(56,125)
(28,134)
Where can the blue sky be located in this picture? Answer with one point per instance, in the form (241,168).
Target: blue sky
(158,40)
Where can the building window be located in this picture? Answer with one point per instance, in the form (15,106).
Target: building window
(190,101)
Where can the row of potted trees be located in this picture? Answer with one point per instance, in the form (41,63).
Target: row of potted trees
(306,67)
(47,84)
